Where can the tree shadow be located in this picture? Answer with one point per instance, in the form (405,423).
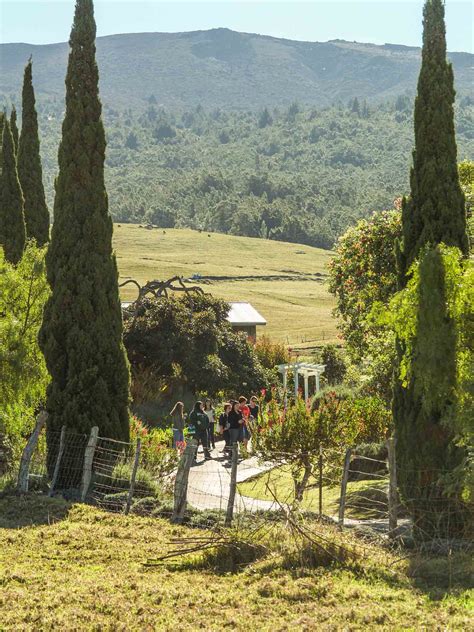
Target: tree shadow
(27,510)
(439,576)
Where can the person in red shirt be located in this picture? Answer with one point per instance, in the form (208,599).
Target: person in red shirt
(245,410)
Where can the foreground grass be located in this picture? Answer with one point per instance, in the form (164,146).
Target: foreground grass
(297,307)
(75,567)
(365,499)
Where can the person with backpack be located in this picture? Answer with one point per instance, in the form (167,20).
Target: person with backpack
(200,422)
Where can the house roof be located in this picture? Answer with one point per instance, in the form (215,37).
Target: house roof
(240,314)
(244,314)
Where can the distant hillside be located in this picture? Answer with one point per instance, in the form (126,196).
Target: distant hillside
(228,69)
(286,283)
(292,174)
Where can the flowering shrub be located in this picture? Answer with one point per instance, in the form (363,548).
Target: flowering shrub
(363,275)
(295,435)
(157,454)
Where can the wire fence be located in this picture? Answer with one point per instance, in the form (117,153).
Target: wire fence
(341,487)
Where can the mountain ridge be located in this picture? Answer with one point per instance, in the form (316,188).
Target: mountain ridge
(228,69)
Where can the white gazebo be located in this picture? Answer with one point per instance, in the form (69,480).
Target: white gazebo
(306,370)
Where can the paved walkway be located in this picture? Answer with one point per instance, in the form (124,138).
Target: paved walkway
(209,488)
(209,483)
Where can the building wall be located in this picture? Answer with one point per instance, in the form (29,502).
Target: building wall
(250,331)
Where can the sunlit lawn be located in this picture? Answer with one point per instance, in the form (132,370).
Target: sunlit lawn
(365,499)
(297,310)
(78,568)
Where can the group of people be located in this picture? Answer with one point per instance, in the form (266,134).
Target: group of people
(233,424)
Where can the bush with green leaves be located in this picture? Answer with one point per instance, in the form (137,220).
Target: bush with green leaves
(295,434)
(189,340)
(335,365)
(270,353)
(156,454)
(363,272)
(23,293)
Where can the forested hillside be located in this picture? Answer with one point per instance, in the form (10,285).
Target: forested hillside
(296,174)
(230,70)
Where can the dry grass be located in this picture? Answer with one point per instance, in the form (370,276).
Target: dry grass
(75,567)
(298,309)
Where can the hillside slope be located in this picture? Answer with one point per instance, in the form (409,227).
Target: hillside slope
(227,69)
(287,283)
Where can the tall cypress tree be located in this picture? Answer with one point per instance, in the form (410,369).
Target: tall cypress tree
(2,118)
(434,214)
(29,166)
(435,211)
(12,220)
(81,335)
(14,129)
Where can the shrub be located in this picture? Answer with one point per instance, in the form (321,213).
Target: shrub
(189,340)
(271,353)
(368,417)
(336,368)
(144,482)
(157,454)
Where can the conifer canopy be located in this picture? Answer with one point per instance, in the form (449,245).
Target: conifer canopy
(29,166)
(14,129)
(435,211)
(423,406)
(12,220)
(81,336)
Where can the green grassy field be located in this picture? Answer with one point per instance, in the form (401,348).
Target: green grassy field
(67,567)
(360,494)
(291,292)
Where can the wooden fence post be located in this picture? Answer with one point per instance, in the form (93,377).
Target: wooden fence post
(320,467)
(88,460)
(181,482)
(58,461)
(233,485)
(23,472)
(133,476)
(392,488)
(345,477)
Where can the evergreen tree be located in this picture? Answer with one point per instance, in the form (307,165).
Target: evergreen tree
(264,118)
(355,106)
(81,336)
(12,220)
(434,214)
(435,211)
(14,129)
(2,118)
(29,166)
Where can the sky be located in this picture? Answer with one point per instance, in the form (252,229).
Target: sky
(378,21)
